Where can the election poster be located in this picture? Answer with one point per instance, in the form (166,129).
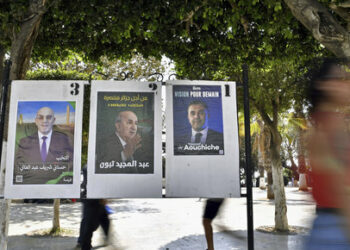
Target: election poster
(198,124)
(125,133)
(124,153)
(44,142)
(202,149)
(44,139)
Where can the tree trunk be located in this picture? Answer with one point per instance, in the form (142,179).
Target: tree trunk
(270,194)
(301,151)
(323,26)
(303,183)
(20,53)
(56,216)
(23,41)
(281,221)
(2,58)
(262,184)
(4,203)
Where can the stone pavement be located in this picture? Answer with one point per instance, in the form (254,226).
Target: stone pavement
(173,224)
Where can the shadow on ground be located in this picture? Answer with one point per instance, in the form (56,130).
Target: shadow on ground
(237,239)
(26,213)
(40,212)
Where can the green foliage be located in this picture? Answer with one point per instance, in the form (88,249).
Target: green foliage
(56,74)
(243,30)
(74,67)
(140,68)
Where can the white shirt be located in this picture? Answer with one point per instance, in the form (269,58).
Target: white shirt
(48,140)
(204,133)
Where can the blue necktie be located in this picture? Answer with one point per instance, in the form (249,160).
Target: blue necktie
(43,151)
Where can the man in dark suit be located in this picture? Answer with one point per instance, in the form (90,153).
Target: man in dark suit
(202,139)
(125,151)
(46,156)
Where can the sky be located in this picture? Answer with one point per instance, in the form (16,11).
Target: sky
(29,109)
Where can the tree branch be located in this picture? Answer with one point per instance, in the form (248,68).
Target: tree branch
(343,10)
(244,20)
(189,18)
(317,19)
(275,105)
(267,120)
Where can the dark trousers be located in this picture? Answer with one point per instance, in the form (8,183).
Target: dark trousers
(94,214)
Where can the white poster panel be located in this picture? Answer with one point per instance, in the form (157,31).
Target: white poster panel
(44,139)
(124,159)
(202,152)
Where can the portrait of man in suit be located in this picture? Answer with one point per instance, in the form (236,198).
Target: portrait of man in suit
(201,139)
(125,151)
(45,157)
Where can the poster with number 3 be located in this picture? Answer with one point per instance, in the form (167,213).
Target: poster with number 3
(44,139)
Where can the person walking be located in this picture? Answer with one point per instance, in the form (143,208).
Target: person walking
(211,210)
(95,214)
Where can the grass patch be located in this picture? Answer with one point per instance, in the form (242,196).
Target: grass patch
(61,232)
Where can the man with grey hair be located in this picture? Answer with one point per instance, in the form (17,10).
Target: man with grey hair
(45,156)
(126,128)
(124,151)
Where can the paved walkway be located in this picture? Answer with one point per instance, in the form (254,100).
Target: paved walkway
(173,224)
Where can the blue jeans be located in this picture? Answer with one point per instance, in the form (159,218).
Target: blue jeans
(328,233)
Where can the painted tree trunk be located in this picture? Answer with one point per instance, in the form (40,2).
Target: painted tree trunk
(262,184)
(301,155)
(4,204)
(281,221)
(303,182)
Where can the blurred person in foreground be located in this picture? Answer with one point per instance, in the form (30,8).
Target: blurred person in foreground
(329,153)
(211,210)
(95,214)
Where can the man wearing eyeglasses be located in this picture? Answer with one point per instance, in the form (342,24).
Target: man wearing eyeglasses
(45,157)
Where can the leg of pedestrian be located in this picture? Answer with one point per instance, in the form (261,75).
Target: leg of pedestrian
(212,207)
(105,223)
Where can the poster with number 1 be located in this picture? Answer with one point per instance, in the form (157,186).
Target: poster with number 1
(202,149)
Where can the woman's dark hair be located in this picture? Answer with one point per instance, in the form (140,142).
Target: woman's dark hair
(325,72)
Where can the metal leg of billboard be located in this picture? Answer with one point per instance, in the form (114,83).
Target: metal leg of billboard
(248,170)
(5,85)
(4,204)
